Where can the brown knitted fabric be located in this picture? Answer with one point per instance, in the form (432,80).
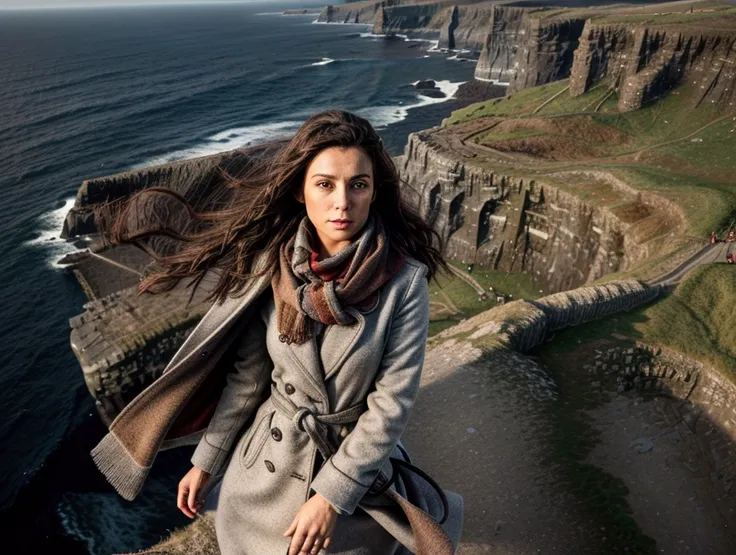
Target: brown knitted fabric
(303,299)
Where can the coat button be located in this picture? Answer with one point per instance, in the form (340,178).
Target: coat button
(269,466)
(204,353)
(276,434)
(289,389)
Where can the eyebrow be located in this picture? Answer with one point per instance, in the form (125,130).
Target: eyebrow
(328,176)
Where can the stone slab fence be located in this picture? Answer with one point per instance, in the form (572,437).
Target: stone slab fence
(522,325)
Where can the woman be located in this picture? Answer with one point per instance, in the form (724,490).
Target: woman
(318,333)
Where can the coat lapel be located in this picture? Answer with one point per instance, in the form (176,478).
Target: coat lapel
(338,343)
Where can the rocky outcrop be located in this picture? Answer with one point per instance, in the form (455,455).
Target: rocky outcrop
(354,12)
(527,50)
(644,62)
(457,26)
(189,177)
(507,29)
(546,53)
(515,225)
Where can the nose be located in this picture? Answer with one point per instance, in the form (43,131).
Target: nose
(341,197)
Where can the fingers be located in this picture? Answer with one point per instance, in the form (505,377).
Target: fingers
(316,546)
(192,499)
(292,528)
(308,544)
(181,500)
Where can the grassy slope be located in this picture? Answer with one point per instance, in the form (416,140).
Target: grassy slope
(673,150)
(698,319)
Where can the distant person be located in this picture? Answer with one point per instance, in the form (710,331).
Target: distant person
(730,238)
(713,238)
(323,312)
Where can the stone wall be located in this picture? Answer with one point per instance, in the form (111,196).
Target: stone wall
(523,325)
(645,62)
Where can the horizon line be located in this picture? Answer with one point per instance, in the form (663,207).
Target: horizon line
(135,4)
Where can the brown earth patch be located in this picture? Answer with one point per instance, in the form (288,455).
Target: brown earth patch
(554,139)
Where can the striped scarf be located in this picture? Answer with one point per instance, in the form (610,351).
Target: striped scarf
(303,300)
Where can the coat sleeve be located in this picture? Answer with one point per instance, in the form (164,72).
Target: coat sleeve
(349,473)
(240,397)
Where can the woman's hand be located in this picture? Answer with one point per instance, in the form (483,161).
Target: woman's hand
(312,526)
(190,489)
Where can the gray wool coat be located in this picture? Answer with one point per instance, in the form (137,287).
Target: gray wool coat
(267,458)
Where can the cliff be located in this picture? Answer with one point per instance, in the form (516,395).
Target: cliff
(514,224)
(458,24)
(644,62)
(546,52)
(122,340)
(506,30)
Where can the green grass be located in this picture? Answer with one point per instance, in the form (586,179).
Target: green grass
(707,205)
(711,149)
(519,286)
(675,18)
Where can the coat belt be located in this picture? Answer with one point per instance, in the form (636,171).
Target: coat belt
(313,423)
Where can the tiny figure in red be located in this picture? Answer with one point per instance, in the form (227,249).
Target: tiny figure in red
(713,238)
(731,238)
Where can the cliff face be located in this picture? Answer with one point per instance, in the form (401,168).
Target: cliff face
(527,51)
(466,27)
(507,28)
(505,223)
(546,53)
(645,62)
(458,26)
(354,12)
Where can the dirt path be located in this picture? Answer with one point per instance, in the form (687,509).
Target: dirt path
(467,278)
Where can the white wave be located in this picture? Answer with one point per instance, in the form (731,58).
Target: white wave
(323,62)
(49,232)
(435,47)
(459,59)
(229,139)
(383,116)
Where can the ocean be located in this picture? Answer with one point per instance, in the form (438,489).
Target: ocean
(93,92)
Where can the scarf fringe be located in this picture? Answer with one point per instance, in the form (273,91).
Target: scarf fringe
(118,466)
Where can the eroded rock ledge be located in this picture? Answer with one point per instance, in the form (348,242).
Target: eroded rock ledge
(515,224)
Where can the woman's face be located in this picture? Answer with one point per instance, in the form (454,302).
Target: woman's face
(338,185)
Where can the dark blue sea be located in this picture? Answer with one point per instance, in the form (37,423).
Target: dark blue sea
(93,92)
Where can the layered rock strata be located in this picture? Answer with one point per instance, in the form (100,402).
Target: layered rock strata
(645,62)
(514,224)
(506,31)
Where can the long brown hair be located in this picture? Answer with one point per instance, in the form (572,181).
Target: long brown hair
(262,213)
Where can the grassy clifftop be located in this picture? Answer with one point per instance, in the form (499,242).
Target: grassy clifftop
(668,148)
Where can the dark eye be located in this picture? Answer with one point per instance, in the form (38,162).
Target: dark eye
(323,183)
(361,184)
